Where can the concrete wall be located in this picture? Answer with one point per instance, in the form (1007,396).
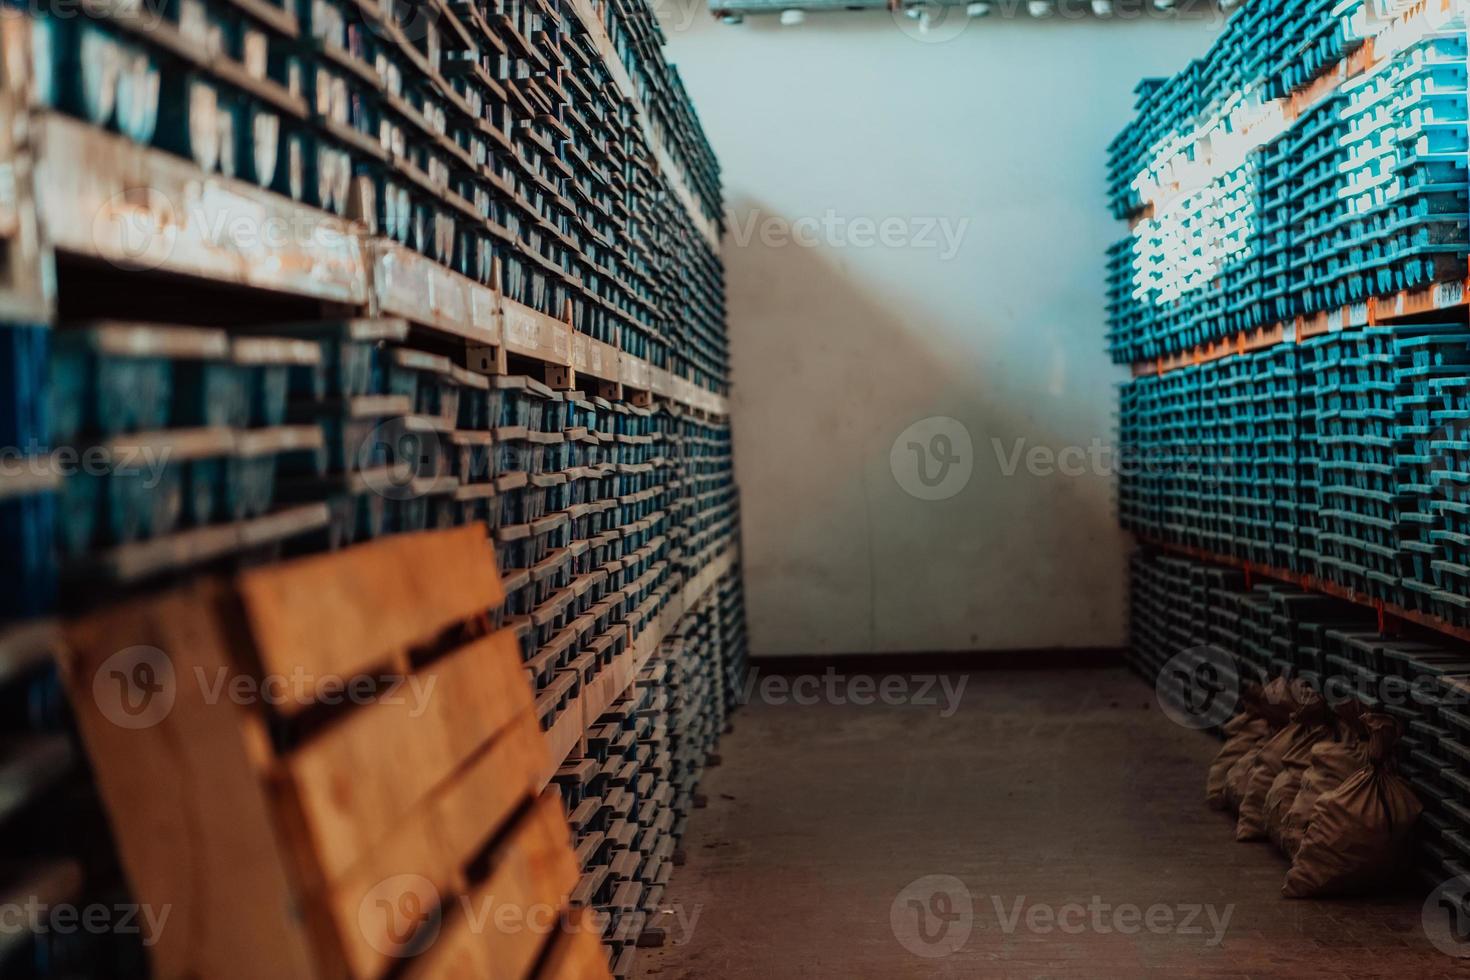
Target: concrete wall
(860,320)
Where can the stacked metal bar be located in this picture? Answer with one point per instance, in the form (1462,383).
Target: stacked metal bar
(630,796)
(1339,457)
(1300,208)
(383,234)
(1297,183)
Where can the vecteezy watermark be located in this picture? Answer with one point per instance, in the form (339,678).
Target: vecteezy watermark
(35,460)
(137,229)
(137,688)
(144,15)
(677,16)
(840,231)
(932,916)
(403,915)
(1015,914)
(933,459)
(1199,687)
(35,917)
(1099,458)
(1446,917)
(922,690)
(399,458)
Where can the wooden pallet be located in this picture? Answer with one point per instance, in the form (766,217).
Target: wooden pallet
(303,838)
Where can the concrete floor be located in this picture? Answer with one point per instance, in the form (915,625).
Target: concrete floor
(1047,793)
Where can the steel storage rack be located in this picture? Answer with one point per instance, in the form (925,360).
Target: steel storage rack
(1291,300)
(351,273)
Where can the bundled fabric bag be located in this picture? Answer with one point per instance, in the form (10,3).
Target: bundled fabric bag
(1296,790)
(1359,832)
(1275,706)
(1243,733)
(1309,724)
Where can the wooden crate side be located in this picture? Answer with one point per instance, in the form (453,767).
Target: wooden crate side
(179,772)
(502,927)
(534,869)
(437,842)
(365,773)
(429,850)
(355,611)
(577,954)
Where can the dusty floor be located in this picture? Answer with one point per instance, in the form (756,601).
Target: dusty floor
(1070,811)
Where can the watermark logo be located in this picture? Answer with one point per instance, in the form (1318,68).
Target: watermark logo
(677,16)
(933,459)
(135,688)
(34,917)
(834,230)
(36,460)
(932,21)
(933,916)
(397,460)
(1105,918)
(1198,688)
(1446,917)
(136,229)
(413,19)
(400,916)
(942,691)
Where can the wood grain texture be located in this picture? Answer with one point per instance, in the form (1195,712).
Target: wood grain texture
(344,614)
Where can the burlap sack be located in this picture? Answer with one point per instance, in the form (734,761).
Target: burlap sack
(1358,833)
(1310,724)
(1329,763)
(1275,706)
(1242,733)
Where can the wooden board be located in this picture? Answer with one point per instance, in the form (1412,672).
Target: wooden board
(192,817)
(346,613)
(361,776)
(577,954)
(516,911)
(335,843)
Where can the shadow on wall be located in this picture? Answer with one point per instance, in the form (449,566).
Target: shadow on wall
(853,544)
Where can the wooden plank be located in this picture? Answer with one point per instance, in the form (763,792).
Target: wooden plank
(416,288)
(102,196)
(503,925)
(363,774)
(594,358)
(531,333)
(427,853)
(139,561)
(180,774)
(577,953)
(343,614)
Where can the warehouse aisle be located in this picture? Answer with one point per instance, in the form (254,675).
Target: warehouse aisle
(1053,797)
